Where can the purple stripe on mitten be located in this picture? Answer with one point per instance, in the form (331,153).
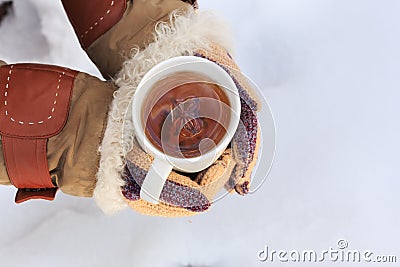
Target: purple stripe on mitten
(173,193)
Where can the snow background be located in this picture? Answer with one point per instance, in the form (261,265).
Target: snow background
(330,71)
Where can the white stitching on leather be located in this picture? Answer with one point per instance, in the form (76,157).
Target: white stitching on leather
(96,22)
(54,103)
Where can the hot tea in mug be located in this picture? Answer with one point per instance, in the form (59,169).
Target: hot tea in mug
(186,115)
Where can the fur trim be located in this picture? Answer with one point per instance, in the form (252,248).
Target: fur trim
(183,35)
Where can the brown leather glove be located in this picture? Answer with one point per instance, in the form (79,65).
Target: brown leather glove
(52,121)
(109,29)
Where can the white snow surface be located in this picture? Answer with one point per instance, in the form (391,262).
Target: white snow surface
(331,73)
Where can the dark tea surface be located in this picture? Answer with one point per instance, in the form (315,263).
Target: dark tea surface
(186,115)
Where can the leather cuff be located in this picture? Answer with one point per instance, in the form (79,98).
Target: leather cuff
(34,106)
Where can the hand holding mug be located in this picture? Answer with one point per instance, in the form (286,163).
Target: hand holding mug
(185,113)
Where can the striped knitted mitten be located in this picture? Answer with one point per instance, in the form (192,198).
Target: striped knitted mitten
(188,195)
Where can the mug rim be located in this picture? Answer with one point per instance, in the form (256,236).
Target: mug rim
(150,78)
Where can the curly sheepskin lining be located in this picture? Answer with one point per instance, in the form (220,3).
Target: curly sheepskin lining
(183,35)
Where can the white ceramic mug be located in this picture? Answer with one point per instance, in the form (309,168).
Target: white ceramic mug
(163,164)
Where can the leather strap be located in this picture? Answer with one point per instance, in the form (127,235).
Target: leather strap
(34,106)
(19,153)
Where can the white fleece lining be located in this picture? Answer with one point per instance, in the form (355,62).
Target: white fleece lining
(183,35)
